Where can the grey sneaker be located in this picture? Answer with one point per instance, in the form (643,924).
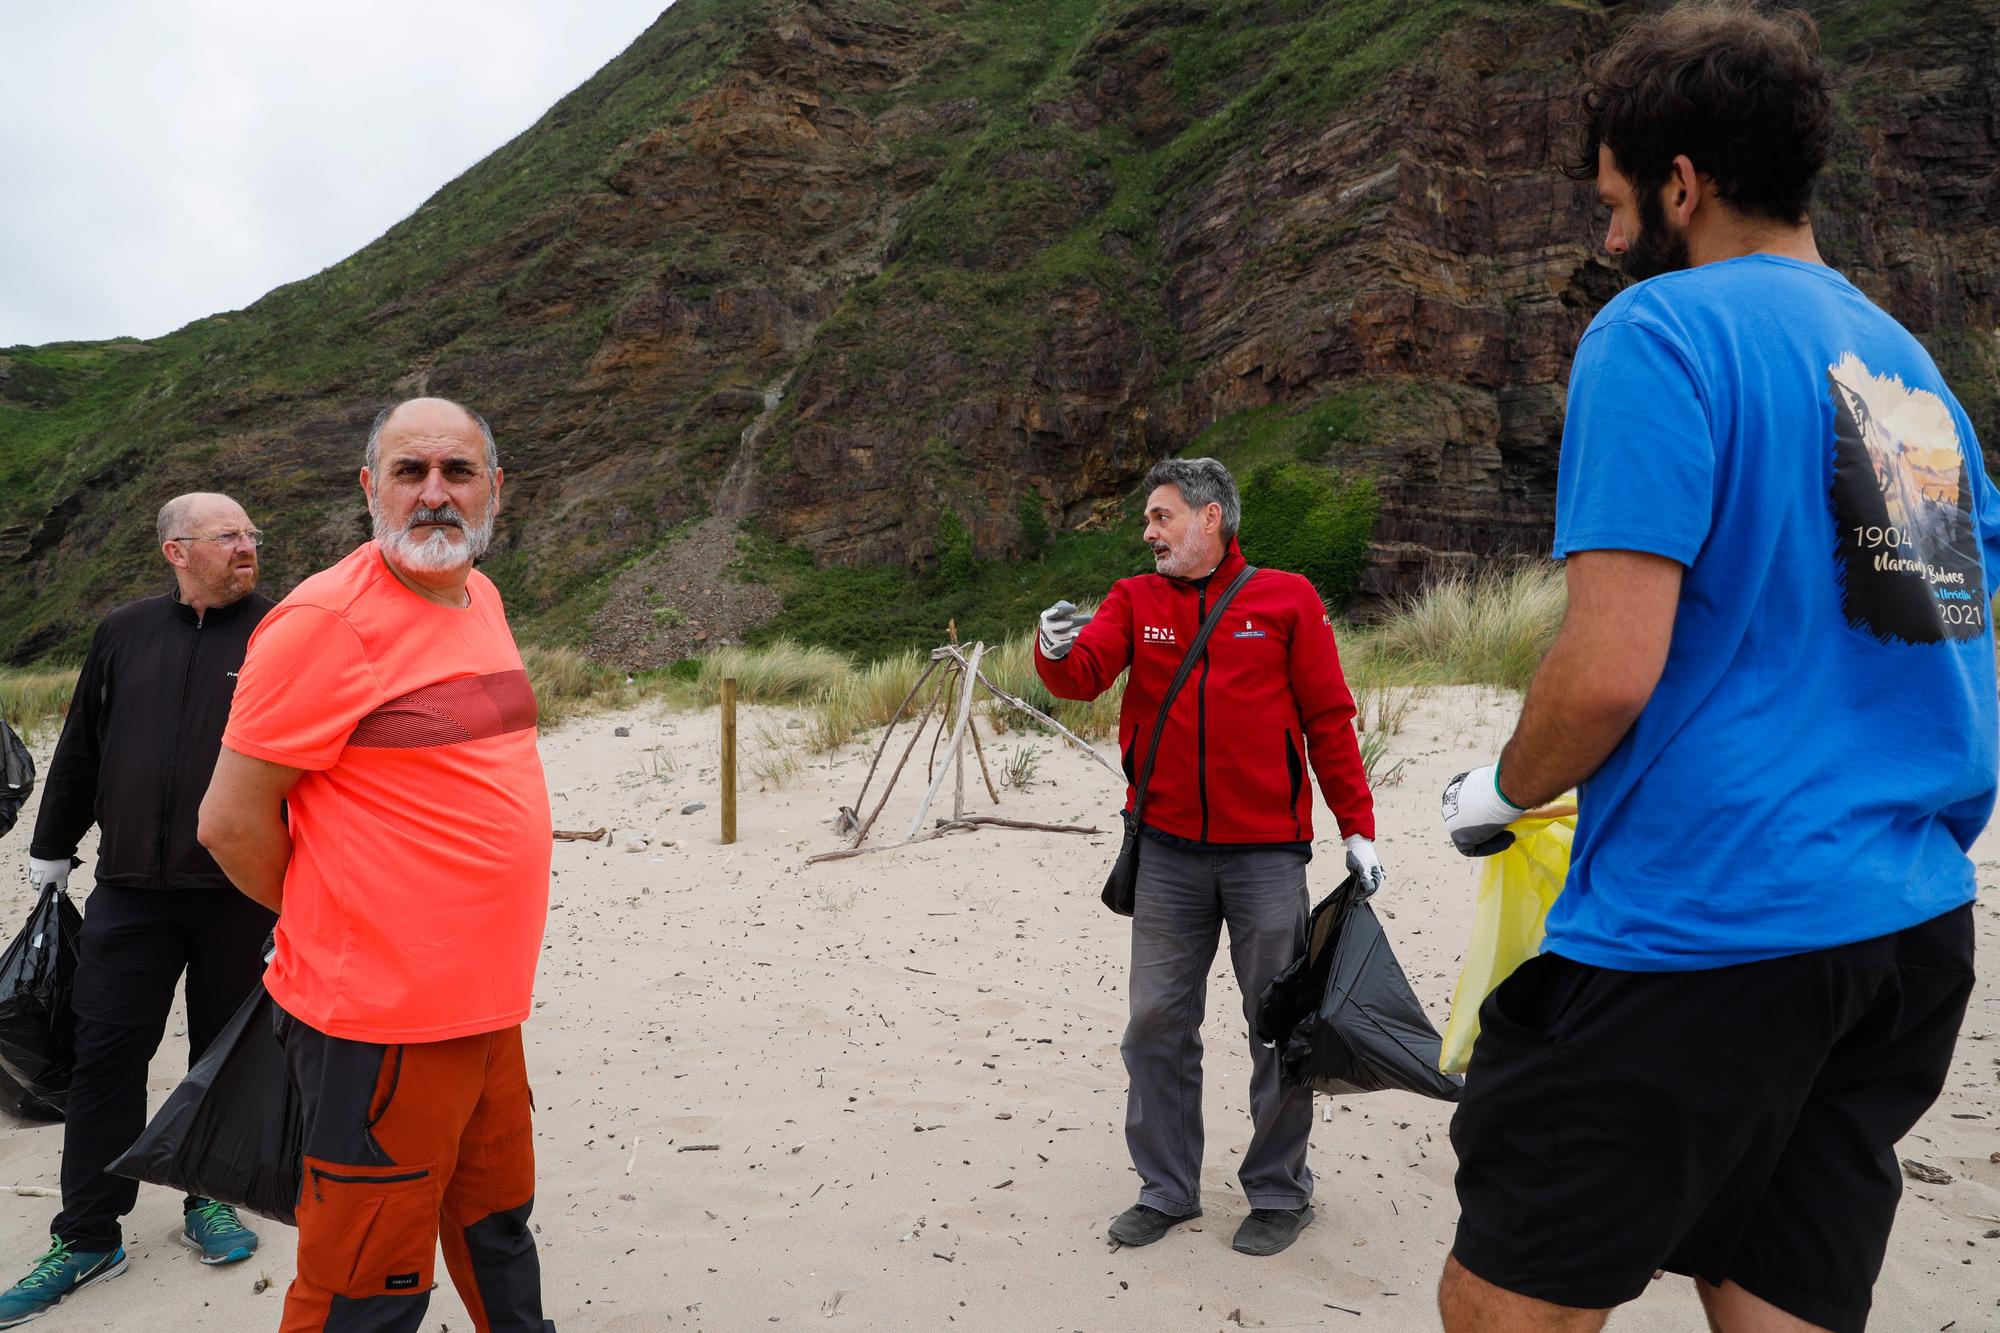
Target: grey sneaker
(1142,1225)
(1269,1230)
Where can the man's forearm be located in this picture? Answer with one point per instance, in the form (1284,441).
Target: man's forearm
(1569,727)
(1597,677)
(243,824)
(254,856)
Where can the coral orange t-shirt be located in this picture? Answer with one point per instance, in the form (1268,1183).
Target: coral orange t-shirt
(418,887)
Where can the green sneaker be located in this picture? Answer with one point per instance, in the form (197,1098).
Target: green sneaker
(213,1231)
(57,1276)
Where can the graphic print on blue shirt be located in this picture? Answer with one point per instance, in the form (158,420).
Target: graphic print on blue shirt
(1902,503)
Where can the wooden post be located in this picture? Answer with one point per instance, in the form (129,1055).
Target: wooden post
(729,759)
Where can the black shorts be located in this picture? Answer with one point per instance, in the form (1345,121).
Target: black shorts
(1737,1123)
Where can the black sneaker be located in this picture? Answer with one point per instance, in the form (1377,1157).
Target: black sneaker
(1141,1225)
(1269,1230)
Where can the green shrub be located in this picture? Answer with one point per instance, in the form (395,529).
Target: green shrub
(1306,520)
(953,572)
(1034,525)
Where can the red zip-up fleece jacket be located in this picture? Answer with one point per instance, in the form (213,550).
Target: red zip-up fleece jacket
(1266,698)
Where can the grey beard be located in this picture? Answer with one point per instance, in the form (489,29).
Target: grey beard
(1174,564)
(440,552)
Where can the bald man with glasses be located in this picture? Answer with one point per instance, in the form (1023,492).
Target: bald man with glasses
(136,754)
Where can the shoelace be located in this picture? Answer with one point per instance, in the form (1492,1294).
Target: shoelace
(220,1218)
(48,1266)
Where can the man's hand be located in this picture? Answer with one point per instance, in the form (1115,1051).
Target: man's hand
(1058,628)
(1367,866)
(42,873)
(1477,815)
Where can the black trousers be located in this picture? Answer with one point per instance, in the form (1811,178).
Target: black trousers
(135,945)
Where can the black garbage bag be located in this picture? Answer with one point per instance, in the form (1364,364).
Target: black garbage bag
(1344,1017)
(18,1102)
(17,776)
(37,978)
(234,1129)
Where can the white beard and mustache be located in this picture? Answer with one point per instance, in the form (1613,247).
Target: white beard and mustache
(441,551)
(1177,561)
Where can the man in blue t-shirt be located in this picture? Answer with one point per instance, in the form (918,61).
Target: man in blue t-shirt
(1774,688)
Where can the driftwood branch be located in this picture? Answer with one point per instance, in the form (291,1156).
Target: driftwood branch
(1040,716)
(952,676)
(957,733)
(846,852)
(916,734)
(980,750)
(945,828)
(887,731)
(994,821)
(951,701)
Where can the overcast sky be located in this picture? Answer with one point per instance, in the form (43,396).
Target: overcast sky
(162,160)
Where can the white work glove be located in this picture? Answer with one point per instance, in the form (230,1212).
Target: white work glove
(42,873)
(1058,628)
(1477,815)
(1367,866)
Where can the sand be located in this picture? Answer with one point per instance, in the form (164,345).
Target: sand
(885,1093)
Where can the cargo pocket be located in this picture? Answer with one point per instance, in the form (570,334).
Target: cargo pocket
(368,1230)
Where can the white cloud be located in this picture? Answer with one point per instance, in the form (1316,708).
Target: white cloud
(166,161)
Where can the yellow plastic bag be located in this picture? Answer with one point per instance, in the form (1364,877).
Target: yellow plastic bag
(1516,889)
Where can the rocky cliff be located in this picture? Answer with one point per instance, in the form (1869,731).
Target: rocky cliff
(839,267)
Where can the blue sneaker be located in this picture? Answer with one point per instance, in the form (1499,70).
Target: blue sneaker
(57,1276)
(213,1231)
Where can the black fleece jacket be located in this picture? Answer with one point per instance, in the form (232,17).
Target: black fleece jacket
(139,745)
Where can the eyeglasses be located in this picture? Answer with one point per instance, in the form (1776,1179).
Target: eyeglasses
(227,539)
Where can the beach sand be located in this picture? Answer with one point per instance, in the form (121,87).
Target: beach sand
(885,1093)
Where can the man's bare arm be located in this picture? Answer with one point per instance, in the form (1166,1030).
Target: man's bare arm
(243,824)
(1598,675)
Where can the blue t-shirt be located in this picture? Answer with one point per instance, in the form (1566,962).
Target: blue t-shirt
(1820,751)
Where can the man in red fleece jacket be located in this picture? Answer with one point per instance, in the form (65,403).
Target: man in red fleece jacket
(1227,833)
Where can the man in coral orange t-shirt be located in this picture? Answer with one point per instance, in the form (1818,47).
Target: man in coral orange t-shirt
(384,702)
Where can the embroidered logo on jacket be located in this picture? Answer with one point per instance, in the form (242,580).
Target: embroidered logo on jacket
(1157,634)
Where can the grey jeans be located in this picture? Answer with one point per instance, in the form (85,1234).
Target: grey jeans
(1183,899)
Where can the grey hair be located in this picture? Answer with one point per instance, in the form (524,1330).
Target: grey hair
(382,419)
(1201,482)
(177,513)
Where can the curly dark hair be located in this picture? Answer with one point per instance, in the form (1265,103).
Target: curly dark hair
(1741,93)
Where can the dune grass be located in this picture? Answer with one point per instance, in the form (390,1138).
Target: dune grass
(34,700)
(568,683)
(1489,629)
(776,672)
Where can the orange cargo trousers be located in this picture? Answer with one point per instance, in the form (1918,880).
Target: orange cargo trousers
(406,1147)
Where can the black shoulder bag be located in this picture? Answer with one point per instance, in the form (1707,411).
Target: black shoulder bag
(1121,886)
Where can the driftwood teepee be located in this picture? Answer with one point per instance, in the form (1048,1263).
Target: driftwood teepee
(958,679)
